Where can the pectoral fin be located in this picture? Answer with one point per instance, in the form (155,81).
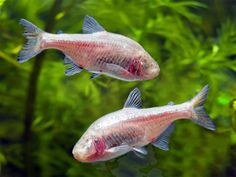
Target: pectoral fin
(116,69)
(118,150)
(140,151)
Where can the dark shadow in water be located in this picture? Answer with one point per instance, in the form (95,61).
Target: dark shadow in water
(132,165)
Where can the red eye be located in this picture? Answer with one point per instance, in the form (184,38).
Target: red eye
(99,145)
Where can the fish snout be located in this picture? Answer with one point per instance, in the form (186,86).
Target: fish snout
(78,156)
(155,70)
(152,71)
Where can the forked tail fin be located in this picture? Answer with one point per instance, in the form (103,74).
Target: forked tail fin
(33,36)
(199,114)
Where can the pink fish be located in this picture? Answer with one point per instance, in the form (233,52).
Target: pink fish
(97,51)
(132,128)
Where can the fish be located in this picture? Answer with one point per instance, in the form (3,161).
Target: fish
(132,128)
(96,50)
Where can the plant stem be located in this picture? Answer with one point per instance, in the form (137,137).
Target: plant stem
(31,98)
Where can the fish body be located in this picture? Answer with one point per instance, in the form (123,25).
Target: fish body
(132,128)
(97,51)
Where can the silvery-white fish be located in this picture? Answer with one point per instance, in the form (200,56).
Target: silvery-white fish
(132,128)
(97,51)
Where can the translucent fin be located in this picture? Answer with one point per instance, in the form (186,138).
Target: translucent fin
(73,70)
(163,140)
(134,99)
(119,150)
(95,75)
(59,32)
(91,25)
(32,47)
(116,69)
(141,150)
(139,154)
(199,114)
(67,60)
(171,103)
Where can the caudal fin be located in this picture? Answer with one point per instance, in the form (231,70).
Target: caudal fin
(199,114)
(32,47)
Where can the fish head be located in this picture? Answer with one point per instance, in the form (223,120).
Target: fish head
(89,148)
(150,68)
(143,66)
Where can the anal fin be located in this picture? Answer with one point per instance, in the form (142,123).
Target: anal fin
(163,140)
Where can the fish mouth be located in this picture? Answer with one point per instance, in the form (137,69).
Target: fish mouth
(80,158)
(83,157)
(152,73)
(78,155)
(155,71)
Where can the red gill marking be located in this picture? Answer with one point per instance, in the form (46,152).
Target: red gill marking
(135,67)
(100,146)
(93,157)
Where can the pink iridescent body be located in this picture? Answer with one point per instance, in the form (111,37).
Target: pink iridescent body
(130,128)
(103,52)
(135,127)
(97,51)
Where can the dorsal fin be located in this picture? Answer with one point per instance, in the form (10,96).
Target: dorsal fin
(91,25)
(134,99)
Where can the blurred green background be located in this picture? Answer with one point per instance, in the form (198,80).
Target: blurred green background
(43,113)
